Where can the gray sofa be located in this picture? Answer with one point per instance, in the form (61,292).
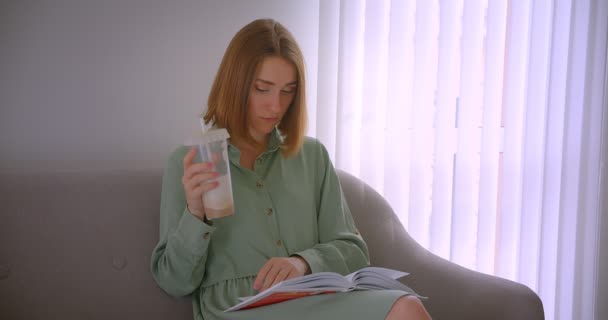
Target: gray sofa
(77,245)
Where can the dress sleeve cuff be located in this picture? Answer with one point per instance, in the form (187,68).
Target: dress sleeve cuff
(193,231)
(311,256)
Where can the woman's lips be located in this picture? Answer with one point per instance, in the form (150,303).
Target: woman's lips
(273,119)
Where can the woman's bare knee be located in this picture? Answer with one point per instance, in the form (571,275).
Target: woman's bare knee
(408,307)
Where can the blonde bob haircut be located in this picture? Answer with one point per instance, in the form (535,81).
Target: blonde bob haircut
(228,98)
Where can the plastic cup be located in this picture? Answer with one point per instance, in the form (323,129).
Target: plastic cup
(218,202)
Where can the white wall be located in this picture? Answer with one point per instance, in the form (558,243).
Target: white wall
(602,287)
(117,84)
(601,307)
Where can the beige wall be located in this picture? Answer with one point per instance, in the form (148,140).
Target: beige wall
(117,84)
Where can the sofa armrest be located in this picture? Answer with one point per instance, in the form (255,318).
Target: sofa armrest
(454,292)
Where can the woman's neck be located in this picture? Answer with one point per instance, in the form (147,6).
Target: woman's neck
(248,151)
(245,146)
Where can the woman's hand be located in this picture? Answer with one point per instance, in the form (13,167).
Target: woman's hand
(279,269)
(196,182)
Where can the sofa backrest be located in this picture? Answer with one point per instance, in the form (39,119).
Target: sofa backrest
(77,245)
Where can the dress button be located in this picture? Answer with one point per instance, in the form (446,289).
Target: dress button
(259,184)
(269,211)
(279,243)
(206,235)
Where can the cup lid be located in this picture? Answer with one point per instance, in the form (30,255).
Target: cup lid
(215,134)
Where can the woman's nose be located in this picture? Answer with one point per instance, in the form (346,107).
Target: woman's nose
(275,102)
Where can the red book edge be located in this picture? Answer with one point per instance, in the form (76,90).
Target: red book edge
(283,296)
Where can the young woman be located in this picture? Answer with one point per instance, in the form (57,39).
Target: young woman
(290,217)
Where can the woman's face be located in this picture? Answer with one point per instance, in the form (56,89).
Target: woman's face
(271,93)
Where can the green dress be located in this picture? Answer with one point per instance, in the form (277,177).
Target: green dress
(285,206)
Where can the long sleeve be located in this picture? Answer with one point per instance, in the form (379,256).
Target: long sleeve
(341,248)
(178,260)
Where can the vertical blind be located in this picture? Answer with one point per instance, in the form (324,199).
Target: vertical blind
(480,122)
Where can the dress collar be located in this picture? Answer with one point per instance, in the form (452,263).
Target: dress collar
(275,143)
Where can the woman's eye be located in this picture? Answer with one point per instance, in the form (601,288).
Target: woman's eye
(290,90)
(261,89)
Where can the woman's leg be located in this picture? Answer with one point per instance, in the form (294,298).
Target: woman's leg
(408,308)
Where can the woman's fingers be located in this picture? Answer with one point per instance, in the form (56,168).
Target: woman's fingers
(278,271)
(199,179)
(275,271)
(204,187)
(196,168)
(282,275)
(259,280)
(271,276)
(189,158)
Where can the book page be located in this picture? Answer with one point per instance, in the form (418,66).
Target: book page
(387,273)
(370,278)
(317,283)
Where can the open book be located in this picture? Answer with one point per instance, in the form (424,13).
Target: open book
(370,278)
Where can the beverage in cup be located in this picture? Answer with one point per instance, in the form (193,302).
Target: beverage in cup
(218,202)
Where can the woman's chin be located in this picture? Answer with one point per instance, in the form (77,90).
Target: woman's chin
(262,130)
(267,128)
